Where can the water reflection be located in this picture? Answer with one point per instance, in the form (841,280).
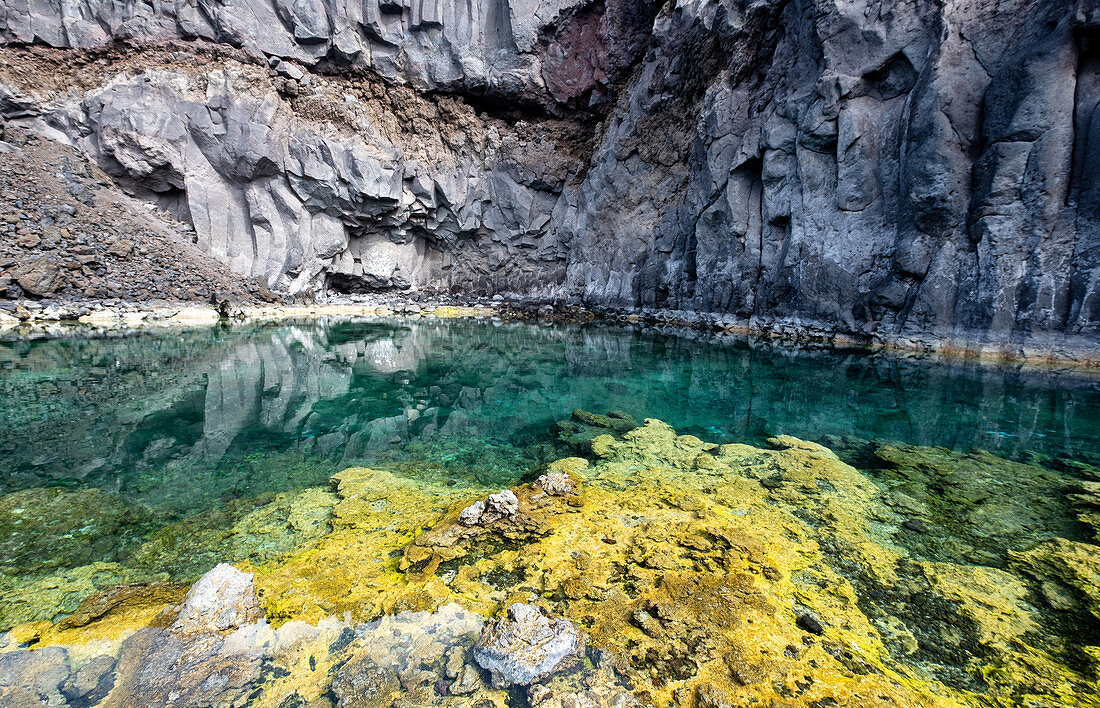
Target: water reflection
(181,422)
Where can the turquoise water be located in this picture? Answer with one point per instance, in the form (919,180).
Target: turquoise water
(181,422)
(130,460)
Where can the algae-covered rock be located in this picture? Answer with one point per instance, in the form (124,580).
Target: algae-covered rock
(992,599)
(987,505)
(44,529)
(580,431)
(700,575)
(361,683)
(258,530)
(127,595)
(526,646)
(1087,501)
(53,596)
(1069,563)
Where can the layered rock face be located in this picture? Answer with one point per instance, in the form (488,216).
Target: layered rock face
(865,167)
(517,48)
(352,184)
(922,167)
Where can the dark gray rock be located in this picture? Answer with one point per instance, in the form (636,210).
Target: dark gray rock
(901,172)
(33,678)
(91,682)
(198,660)
(159,668)
(497,46)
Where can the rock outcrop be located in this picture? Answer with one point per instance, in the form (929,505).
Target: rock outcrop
(519,49)
(892,172)
(526,646)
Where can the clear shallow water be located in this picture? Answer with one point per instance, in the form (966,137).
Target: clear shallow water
(126,462)
(183,422)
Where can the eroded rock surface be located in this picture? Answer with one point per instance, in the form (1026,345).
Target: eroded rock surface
(526,646)
(908,173)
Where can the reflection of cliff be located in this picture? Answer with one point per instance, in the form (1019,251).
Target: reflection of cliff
(183,421)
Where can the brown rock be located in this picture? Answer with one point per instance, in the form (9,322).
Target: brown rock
(41,277)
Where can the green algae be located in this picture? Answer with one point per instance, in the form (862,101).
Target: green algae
(246,530)
(44,529)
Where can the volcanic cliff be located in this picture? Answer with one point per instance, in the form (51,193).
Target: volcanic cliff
(920,169)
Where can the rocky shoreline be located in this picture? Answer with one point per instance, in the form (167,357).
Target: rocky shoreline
(36,319)
(836,175)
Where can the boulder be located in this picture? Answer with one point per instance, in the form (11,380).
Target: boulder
(40,277)
(223,599)
(527,646)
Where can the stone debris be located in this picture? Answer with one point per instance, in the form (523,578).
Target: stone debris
(526,646)
(502,505)
(69,235)
(554,484)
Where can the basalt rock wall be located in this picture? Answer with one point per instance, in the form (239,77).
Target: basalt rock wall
(917,167)
(891,169)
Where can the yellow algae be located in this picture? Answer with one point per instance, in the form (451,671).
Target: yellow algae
(658,572)
(256,530)
(712,575)
(992,599)
(1072,563)
(353,570)
(56,594)
(115,613)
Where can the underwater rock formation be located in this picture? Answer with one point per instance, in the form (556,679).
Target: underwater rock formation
(699,574)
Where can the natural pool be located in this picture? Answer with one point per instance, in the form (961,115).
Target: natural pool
(951,559)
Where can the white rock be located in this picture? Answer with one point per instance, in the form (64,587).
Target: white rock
(471,514)
(224,599)
(554,483)
(503,503)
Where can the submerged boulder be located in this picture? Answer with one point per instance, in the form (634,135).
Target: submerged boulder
(362,683)
(526,646)
(33,677)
